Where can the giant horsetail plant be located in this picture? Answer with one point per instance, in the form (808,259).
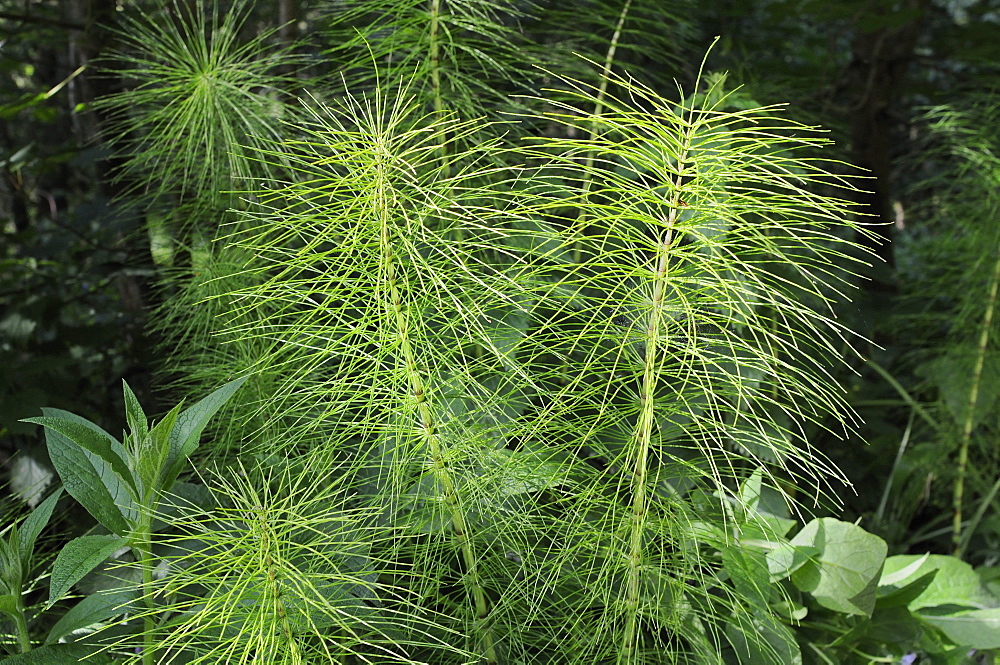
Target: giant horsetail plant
(477,429)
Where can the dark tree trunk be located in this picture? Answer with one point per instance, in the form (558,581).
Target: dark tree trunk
(880,58)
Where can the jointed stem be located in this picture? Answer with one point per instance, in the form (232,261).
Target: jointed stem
(145,550)
(968,425)
(643,440)
(274,588)
(428,425)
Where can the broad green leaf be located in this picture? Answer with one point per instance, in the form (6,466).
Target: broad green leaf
(90,440)
(750,490)
(505,333)
(8,604)
(844,575)
(79,557)
(12,571)
(762,503)
(189,426)
(786,558)
(748,570)
(903,594)
(511,472)
(956,583)
(92,482)
(94,608)
(893,625)
(893,576)
(60,654)
(33,525)
(765,642)
(977,629)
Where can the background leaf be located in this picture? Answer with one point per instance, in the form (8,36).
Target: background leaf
(844,574)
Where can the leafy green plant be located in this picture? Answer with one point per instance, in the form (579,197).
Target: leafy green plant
(508,392)
(837,598)
(951,276)
(547,441)
(122,486)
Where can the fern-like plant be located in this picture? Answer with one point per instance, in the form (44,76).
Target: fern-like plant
(952,283)
(503,413)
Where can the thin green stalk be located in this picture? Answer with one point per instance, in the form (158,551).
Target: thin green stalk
(985,504)
(434,55)
(428,424)
(21,624)
(145,550)
(275,589)
(968,425)
(644,436)
(880,513)
(602,91)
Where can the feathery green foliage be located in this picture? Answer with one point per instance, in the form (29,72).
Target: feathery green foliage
(959,272)
(514,405)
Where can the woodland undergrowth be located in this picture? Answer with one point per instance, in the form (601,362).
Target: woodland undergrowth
(534,352)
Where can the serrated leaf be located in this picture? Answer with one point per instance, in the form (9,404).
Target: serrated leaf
(91,440)
(33,525)
(79,557)
(93,609)
(152,453)
(844,575)
(134,414)
(92,482)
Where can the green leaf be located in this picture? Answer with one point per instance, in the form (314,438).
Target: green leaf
(90,439)
(748,569)
(8,605)
(94,608)
(844,575)
(893,576)
(33,525)
(904,594)
(60,654)
(787,558)
(188,428)
(954,374)
(765,642)
(151,454)
(91,481)
(79,557)
(956,583)
(12,572)
(976,629)
(894,625)
(134,414)
(764,507)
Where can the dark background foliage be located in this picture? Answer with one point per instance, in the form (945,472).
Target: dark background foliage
(77,274)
